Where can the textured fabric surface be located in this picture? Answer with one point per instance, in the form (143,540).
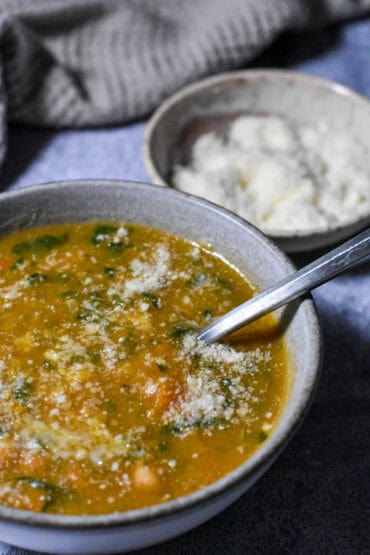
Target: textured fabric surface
(96,62)
(316,497)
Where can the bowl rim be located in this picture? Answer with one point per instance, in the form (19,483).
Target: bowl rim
(308,80)
(261,459)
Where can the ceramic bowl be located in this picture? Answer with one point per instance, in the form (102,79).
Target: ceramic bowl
(253,254)
(211,104)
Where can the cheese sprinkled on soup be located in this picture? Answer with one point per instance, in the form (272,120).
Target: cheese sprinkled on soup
(108,400)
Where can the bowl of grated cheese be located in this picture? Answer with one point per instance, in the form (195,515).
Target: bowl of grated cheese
(288,152)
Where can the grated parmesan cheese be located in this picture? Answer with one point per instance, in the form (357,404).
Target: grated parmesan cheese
(279,176)
(211,398)
(148,276)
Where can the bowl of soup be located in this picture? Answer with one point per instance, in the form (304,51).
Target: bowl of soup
(119,428)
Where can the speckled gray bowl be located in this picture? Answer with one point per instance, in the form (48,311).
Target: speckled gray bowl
(212,103)
(250,251)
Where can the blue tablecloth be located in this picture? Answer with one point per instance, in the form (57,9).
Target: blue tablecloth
(316,497)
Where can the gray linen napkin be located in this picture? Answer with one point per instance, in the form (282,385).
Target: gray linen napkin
(98,62)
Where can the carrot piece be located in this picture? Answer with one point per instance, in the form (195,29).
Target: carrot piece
(4,264)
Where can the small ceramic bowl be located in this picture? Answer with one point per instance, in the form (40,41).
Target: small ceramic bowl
(253,254)
(211,104)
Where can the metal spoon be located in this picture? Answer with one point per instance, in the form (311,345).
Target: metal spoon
(321,270)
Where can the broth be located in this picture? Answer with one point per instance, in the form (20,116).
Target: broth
(108,400)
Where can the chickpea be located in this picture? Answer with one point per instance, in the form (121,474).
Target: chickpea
(145,478)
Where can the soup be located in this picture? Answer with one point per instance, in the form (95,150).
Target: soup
(108,400)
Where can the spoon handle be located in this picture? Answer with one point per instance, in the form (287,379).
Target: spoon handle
(291,287)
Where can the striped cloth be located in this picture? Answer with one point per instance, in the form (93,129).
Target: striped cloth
(96,62)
